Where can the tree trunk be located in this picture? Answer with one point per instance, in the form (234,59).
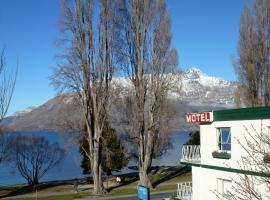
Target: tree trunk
(145,160)
(98,184)
(36,180)
(144,178)
(97,170)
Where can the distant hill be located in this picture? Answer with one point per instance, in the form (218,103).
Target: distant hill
(199,92)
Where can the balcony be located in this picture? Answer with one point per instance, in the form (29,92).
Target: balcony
(191,154)
(184,192)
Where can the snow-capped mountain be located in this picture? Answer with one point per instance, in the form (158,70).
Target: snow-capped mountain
(199,91)
(198,87)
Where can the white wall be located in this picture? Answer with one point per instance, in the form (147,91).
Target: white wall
(238,134)
(196,182)
(207,183)
(204,180)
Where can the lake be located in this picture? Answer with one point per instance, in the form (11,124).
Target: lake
(70,166)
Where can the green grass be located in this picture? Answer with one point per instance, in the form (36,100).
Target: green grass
(13,187)
(183,178)
(165,187)
(116,192)
(178,177)
(123,191)
(165,179)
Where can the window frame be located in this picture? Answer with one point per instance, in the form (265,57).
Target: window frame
(221,143)
(220,187)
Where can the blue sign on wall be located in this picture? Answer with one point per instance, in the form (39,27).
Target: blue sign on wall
(143,193)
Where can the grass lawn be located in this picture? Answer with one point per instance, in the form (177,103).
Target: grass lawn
(182,178)
(122,191)
(117,192)
(164,179)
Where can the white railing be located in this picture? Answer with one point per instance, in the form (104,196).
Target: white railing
(184,191)
(191,153)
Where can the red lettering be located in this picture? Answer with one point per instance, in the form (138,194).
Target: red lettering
(193,117)
(199,117)
(188,118)
(207,117)
(203,117)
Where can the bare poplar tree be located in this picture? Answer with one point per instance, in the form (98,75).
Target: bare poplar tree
(150,63)
(87,67)
(262,17)
(248,74)
(252,66)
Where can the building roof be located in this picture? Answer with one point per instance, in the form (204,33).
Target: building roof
(242,114)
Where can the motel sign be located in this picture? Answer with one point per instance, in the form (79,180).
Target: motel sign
(199,117)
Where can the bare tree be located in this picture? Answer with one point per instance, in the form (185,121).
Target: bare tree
(7,84)
(87,67)
(252,66)
(150,63)
(34,156)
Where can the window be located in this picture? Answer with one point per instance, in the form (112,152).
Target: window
(223,187)
(224,139)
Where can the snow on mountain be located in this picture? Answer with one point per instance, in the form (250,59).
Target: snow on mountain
(24,111)
(195,74)
(198,87)
(199,91)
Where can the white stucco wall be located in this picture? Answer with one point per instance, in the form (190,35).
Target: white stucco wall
(205,187)
(204,180)
(238,134)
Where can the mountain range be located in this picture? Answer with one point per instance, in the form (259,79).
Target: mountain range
(199,91)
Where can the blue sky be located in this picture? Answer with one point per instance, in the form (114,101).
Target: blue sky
(205,33)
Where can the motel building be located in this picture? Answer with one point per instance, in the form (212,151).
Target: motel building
(223,159)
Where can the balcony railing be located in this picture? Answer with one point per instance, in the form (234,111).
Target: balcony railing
(184,191)
(191,153)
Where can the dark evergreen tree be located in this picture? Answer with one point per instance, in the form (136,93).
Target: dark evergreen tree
(113,153)
(194,138)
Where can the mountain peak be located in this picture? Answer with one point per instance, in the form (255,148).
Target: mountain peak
(193,73)
(201,87)
(194,70)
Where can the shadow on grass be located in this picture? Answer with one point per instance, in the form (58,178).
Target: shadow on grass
(29,189)
(172,173)
(132,177)
(163,176)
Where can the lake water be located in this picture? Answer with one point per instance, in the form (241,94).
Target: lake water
(70,166)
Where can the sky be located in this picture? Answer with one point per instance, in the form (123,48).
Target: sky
(205,34)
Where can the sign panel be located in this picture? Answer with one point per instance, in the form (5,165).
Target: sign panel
(199,117)
(143,193)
